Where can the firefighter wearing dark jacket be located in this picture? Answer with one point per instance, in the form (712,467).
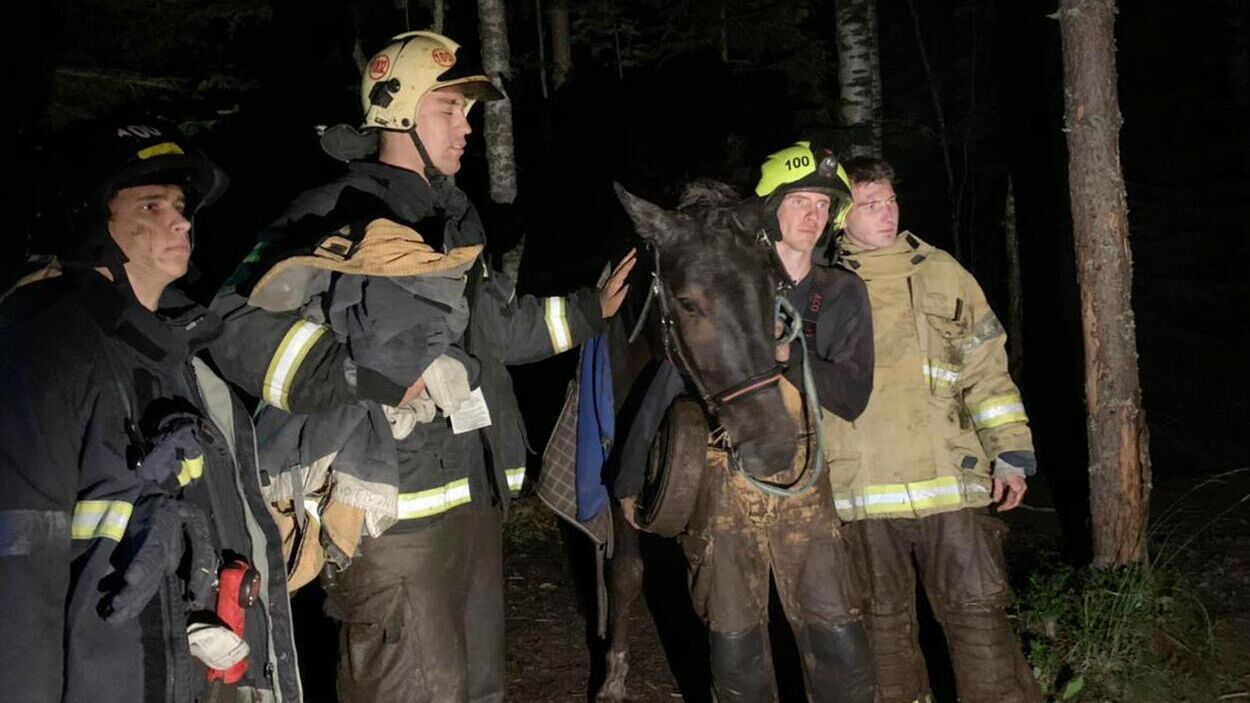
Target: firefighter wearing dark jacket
(738,536)
(943,437)
(129,494)
(421,605)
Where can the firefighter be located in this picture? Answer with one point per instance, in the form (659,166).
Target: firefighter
(420,595)
(739,538)
(129,492)
(944,436)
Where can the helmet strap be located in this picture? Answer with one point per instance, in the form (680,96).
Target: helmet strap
(432,174)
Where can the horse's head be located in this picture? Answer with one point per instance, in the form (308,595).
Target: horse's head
(718,289)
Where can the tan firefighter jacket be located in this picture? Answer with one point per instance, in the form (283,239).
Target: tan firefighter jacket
(942,401)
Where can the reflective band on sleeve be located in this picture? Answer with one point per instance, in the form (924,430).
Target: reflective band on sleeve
(100,518)
(434,501)
(555,312)
(998,410)
(285,363)
(25,532)
(516,478)
(939,374)
(191,470)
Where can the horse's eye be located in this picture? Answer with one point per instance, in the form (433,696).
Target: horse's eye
(688,306)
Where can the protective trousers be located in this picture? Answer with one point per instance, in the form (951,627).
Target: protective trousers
(737,537)
(422,613)
(960,558)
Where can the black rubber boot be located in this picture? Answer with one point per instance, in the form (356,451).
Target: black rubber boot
(742,669)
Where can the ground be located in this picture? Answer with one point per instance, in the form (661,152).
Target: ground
(549,658)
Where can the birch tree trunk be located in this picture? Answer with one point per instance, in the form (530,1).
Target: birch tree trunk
(859,75)
(500,153)
(561,46)
(1119,458)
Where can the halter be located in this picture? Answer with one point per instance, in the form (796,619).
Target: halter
(675,351)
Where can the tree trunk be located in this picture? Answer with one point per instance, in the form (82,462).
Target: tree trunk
(859,75)
(561,46)
(1015,290)
(939,116)
(500,153)
(1119,459)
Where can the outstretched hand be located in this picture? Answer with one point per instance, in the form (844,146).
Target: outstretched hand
(612,292)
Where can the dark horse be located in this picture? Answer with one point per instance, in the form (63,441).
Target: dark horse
(715,292)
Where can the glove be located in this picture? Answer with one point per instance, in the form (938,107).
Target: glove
(447,382)
(172,523)
(216,645)
(1015,464)
(175,457)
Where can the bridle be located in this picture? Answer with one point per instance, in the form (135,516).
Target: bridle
(713,402)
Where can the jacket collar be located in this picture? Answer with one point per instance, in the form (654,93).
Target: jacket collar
(899,260)
(180,327)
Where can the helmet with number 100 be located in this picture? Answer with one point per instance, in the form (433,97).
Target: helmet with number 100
(801,168)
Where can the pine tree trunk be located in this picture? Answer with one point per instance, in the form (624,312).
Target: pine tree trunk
(859,75)
(500,153)
(1119,459)
(561,46)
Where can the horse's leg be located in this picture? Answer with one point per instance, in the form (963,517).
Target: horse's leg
(624,587)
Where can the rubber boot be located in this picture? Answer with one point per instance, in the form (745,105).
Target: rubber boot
(742,668)
(839,667)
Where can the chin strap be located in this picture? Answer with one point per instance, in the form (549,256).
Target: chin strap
(432,174)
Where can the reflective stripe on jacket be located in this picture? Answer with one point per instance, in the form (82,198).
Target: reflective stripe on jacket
(943,403)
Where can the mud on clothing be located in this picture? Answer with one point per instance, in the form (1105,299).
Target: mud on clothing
(82,358)
(739,537)
(912,474)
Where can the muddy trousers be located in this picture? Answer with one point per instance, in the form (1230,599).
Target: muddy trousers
(422,614)
(740,537)
(960,560)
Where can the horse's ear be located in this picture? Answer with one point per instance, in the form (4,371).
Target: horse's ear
(748,215)
(653,223)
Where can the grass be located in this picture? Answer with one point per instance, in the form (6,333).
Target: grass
(1134,633)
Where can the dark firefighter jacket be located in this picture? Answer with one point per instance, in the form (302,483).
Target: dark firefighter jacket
(81,361)
(292,363)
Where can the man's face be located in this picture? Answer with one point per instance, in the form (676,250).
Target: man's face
(148,224)
(443,128)
(872,222)
(802,217)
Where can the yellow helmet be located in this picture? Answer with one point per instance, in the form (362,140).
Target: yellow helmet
(801,168)
(411,65)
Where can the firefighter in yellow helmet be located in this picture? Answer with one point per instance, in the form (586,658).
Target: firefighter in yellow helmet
(740,538)
(369,324)
(943,437)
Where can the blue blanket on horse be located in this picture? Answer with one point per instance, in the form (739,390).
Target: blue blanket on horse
(596,427)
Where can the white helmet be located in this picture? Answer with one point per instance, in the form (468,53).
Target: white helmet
(411,65)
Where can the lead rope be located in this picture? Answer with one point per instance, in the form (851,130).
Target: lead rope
(794,329)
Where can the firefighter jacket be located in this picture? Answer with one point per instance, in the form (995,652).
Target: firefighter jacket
(291,363)
(87,373)
(943,404)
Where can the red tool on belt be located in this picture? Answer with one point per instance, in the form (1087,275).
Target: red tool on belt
(238,587)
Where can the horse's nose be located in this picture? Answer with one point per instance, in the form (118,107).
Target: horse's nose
(767,455)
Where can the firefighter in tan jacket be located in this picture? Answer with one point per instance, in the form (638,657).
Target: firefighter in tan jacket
(944,436)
